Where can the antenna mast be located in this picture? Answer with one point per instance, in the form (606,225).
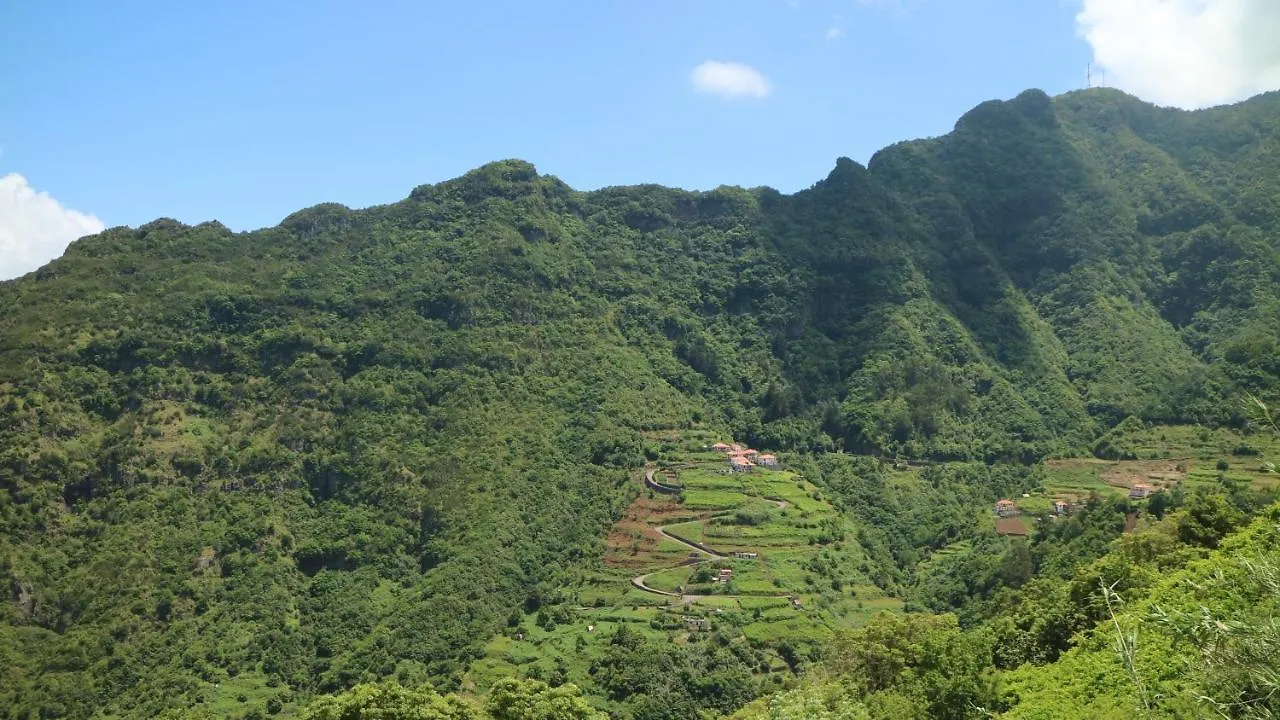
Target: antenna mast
(1088,76)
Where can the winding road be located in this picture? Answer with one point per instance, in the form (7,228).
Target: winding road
(639,580)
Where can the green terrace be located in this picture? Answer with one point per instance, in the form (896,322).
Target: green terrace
(794,574)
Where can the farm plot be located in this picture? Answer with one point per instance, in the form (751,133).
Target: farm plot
(796,570)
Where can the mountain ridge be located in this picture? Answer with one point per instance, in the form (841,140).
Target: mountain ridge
(390,426)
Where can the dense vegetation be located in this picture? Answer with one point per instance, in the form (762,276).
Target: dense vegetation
(1157,625)
(239,470)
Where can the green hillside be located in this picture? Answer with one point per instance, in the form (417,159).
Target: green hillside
(242,470)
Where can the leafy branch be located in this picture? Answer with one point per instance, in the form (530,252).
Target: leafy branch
(1126,644)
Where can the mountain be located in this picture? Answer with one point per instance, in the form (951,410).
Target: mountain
(349,446)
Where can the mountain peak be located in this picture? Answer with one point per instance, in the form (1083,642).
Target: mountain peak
(508,178)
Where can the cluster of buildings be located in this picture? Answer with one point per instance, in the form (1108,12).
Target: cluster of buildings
(1007,508)
(742,459)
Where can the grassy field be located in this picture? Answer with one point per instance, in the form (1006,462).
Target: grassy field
(1077,477)
(1200,443)
(1166,456)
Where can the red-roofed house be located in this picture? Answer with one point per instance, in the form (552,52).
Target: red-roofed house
(1139,491)
(767,460)
(1005,508)
(737,463)
(720,447)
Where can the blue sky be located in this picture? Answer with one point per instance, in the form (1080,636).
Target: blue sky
(246,111)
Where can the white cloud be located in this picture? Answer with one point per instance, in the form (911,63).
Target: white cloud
(34,227)
(834,33)
(1188,53)
(730,80)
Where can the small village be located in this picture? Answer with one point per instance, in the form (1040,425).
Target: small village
(1009,513)
(758,566)
(744,459)
(740,459)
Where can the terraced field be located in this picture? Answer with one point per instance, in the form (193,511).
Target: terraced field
(1161,458)
(803,581)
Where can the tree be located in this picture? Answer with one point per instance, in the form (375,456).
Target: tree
(923,662)
(389,701)
(512,699)
(1206,519)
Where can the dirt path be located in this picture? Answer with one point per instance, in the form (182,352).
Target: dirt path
(683,599)
(639,580)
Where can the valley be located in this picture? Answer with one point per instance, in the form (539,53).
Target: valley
(797,573)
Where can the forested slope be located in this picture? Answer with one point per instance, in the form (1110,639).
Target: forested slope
(346,447)
(1156,626)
